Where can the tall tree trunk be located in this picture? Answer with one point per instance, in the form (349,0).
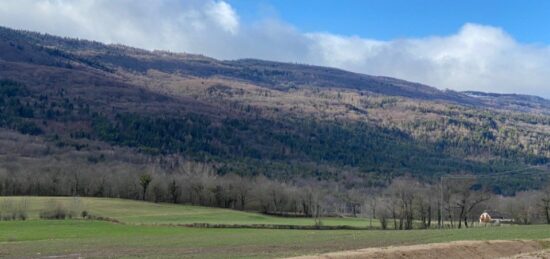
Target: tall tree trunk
(439,215)
(461,215)
(394,215)
(547,210)
(429,216)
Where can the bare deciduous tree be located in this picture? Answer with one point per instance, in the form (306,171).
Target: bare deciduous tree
(144,181)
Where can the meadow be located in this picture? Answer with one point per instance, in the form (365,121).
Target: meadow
(138,212)
(140,235)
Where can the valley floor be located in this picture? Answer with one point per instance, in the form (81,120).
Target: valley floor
(139,236)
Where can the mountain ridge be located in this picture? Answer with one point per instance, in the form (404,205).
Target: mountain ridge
(242,69)
(253,117)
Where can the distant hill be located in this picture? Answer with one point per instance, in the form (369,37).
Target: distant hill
(250,117)
(517,102)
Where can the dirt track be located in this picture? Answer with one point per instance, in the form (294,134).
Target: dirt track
(451,250)
(544,254)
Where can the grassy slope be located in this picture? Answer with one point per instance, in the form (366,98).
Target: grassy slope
(137,212)
(101,239)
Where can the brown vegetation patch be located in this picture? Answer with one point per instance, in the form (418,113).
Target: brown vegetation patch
(457,249)
(274,226)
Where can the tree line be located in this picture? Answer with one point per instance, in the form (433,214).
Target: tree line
(404,204)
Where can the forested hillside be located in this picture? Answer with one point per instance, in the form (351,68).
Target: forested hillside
(67,98)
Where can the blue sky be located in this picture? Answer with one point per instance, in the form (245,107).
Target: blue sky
(485,45)
(527,21)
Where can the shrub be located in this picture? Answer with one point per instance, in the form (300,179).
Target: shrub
(76,207)
(384,223)
(21,215)
(11,210)
(55,210)
(101,218)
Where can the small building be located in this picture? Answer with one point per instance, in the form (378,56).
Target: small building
(485,218)
(494,217)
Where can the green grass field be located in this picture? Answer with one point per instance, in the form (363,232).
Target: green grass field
(138,212)
(37,238)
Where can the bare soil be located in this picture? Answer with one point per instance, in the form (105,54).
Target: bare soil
(451,250)
(544,254)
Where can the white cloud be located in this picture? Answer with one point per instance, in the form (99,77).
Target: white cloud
(224,15)
(477,57)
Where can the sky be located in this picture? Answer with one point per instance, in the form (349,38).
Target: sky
(387,20)
(484,45)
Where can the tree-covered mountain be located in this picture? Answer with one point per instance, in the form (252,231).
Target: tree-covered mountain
(286,121)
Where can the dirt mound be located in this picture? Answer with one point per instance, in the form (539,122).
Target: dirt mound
(545,254)
(451,250)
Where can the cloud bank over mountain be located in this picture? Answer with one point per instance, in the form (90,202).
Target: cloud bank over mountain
(476,57)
